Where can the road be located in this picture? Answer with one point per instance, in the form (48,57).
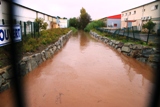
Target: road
(86,73)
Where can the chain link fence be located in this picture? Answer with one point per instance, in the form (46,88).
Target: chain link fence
(131,33)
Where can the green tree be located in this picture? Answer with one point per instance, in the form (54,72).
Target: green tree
(41,23)
(149,25)
(73,22)
(84,18)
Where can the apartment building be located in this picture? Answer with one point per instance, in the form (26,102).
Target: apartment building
(139,15)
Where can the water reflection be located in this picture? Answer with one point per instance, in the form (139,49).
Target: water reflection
(84,40)
(134,67)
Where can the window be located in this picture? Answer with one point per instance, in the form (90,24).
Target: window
(115,25)
(126,14)
(154,7)
(134,12)
(129,13)
(143,10)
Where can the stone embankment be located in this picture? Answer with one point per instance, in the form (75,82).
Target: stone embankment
(28,63)
(145,54)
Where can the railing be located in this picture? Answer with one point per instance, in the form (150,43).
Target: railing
(130,32)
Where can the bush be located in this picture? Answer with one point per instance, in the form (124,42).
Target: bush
(73,29)
(47,37)
(42,24)
(93,25)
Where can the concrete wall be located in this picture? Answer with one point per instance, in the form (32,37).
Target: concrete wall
(22,14)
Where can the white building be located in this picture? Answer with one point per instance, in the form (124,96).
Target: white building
(139,15)
(63,23)
(24,14)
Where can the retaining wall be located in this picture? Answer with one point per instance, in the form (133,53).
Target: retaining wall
(145,54)
(28,63)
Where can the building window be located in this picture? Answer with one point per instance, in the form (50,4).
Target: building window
(115,25)
(143,10)
(134,12)
(122,15)
(129,13)
(126,14)
(154,7)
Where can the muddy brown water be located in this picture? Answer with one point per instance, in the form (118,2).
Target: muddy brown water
(86,73)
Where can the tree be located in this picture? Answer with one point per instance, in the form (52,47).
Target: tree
(149,25)
(73,22)
(42,24)
(84,18)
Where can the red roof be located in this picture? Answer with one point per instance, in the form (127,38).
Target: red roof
(115,17)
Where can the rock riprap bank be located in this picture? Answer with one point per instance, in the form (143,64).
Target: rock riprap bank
(28,63)
(145,54)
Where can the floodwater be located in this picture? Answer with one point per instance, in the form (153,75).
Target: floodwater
(86,73)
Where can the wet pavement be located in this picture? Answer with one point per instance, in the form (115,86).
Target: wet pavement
(86,73)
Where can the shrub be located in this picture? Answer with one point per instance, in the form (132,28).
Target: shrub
(73,29)
(47,37)
(93,25)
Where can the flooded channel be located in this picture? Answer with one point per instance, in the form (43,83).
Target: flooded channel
(86,73)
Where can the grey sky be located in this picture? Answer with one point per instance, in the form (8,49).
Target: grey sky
(71,8)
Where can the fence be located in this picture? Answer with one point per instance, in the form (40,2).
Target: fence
(27,28)
(130,32)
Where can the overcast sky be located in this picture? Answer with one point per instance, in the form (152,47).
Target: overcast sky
(71,8)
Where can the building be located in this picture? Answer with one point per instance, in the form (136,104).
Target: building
(25,14)
(139,15)
(113,22)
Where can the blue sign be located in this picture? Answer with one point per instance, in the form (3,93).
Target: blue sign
(5,37)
